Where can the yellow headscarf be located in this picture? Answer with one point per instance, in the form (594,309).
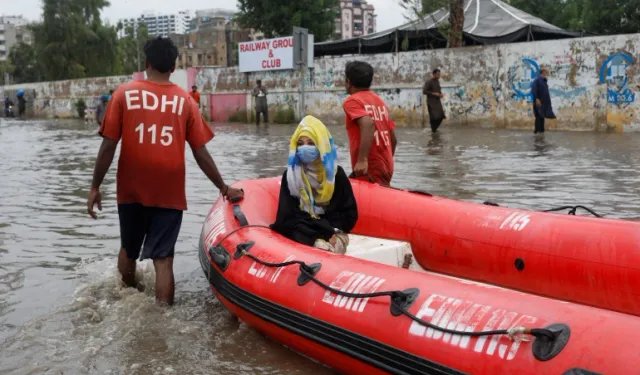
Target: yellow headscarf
(313,183)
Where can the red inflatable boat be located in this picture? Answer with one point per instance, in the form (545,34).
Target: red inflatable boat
(363,313)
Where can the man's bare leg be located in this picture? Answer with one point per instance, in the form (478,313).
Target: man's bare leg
(165,284)
(127,268)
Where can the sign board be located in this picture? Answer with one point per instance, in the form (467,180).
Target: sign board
(300,47)
(270,54)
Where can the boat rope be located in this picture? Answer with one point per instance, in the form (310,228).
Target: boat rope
(240,228)
(398,298)
(573,209)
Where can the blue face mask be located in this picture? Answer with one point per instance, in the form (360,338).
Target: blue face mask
(308,153)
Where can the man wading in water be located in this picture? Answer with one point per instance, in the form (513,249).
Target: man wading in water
(434,100)
(154,118)
(260,95)
(372,136)
(541,101)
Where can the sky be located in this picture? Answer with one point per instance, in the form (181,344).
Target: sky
(388,11)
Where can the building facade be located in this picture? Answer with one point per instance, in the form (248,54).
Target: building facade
(213,40)
(210,19)
(357,18)
(202,48)
(159,24)
(13,30)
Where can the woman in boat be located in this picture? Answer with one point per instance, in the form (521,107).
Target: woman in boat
(316,205)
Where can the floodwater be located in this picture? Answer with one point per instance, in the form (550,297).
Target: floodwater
(63,310)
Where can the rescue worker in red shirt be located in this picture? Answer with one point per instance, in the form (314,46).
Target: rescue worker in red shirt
(153,118)
(372,138)
(195,94)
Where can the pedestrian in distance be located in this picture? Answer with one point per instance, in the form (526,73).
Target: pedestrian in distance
(434,94)
(260,95)
(195,94)
(542,108)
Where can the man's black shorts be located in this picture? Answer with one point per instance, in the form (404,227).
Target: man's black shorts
(156,227)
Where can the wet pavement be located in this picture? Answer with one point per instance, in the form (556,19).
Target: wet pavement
(63,310)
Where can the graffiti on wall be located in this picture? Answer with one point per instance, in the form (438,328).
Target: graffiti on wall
(614,74)
(521,77)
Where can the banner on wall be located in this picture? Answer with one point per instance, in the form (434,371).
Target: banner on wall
(138,76)
(270,54)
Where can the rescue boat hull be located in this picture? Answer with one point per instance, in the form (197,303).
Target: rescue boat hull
(362,336)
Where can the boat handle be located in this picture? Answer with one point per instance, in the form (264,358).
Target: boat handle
(239,215)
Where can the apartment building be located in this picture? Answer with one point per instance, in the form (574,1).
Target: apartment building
(357,18)
(159,24)
(13,30)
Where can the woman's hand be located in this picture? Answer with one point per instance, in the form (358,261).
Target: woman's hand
(333,240)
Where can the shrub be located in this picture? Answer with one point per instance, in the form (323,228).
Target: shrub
(284,116)
(238,116)
(81,106)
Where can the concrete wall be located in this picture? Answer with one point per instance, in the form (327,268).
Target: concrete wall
(58,98)
(593,85)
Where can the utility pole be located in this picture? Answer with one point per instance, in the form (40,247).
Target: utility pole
(138,49)
(138,54)
(300,57)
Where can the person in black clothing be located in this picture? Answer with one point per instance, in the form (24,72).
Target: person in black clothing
(22,103)
(102,108)
(541,101)
(8,104)
(433,91)
(316,206)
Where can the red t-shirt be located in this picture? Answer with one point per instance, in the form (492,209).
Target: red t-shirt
(195,96)
(154,121)
(380,161)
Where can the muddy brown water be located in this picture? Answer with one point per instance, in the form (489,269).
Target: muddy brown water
(63,310)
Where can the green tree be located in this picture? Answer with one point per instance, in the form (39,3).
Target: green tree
(6,68)
(72,42)
(456,23)
(277,18)
(25,65)
(131,48)
(419,9)
(425,9)
(554,12)
(603,17)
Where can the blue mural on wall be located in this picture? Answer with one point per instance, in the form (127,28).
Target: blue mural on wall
(522,77)
(614,74)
